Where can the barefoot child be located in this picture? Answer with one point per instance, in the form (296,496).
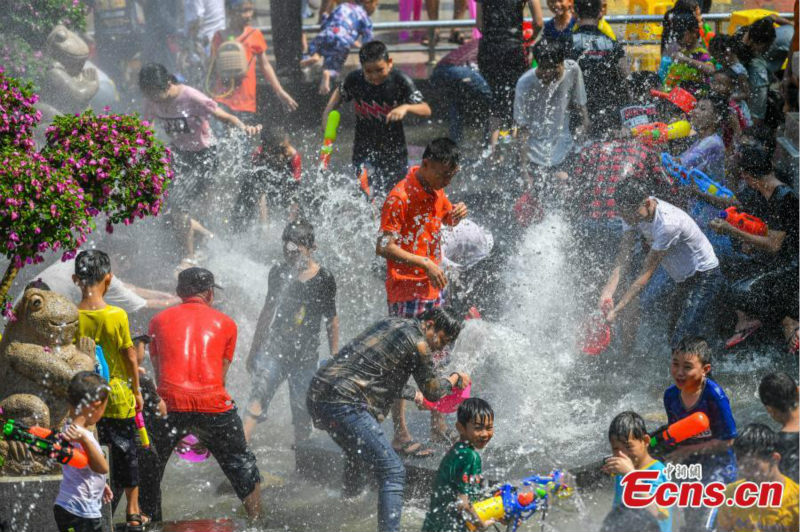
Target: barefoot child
(348,24)
(108,326)
(459,478)
(84,491)
(630,447)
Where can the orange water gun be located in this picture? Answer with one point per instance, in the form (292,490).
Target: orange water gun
(680,97)
(43,441)
(661,133)
(745,222)
(681,430)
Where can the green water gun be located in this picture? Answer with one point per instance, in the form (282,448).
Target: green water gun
(43,441)
(331,127)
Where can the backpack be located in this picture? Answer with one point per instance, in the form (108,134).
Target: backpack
(230,59)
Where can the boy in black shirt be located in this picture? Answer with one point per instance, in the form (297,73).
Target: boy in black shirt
(300,294)
(778,394)
(382,97)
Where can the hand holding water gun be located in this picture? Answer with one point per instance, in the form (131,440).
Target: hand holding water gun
(512,505)
(43,441)
(680,97)
(661,133)
(144,438)
(664,439)
(744,222)
(331,127)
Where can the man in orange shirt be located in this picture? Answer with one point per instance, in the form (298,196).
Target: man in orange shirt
(239,96)
(411,221)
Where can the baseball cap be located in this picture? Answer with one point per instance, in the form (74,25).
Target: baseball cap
(194,280)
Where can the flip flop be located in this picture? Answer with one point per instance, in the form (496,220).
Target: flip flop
(413,449)
(741,336)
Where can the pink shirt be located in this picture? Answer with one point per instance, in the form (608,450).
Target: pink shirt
(185,119)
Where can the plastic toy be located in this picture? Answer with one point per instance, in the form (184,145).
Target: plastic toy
(144,438)
(679,431)
(331,127)
(512,505)
(746,222)
(449,403)
(43,441)
(595,334)
(686,177)
(190,450)
(680,97)
(661,133)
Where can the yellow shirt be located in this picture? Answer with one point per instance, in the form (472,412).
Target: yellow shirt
(109,328)
(781,519)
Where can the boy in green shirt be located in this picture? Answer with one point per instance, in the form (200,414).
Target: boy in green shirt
(458,481)
(108,326)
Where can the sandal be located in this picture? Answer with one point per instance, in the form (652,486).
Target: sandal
(456,37)
(413,449)
(427,41)
(142,520)
(741,336)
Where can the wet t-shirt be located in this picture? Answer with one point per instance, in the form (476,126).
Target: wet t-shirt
(713,403)
(299,309)
(502,21)
(372,370)
(375,140)
(780,212)
(185,119)
(459,474)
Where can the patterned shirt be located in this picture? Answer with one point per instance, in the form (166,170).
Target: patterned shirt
(605,164)
(374,367)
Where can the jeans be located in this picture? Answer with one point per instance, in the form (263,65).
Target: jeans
(695,298)
(271,373)
(466,91)
(364,444)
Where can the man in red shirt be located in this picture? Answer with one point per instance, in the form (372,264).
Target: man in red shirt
(192,348)
(410,241)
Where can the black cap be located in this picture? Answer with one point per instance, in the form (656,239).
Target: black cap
(192,281)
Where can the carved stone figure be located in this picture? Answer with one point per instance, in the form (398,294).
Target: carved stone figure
(37,361)
(68,84)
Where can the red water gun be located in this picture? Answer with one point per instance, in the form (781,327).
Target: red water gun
(745,222)
(680,97)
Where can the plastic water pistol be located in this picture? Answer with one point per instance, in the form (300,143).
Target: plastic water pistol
(686,177)
(144,438)
(331,127)
(661,133)
(512,505)
(682,98)
(43,441)
(745,222)
(683,429)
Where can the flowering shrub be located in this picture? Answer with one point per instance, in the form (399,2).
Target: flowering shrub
(18,117)
(22,61)
(117,160)
(34,19)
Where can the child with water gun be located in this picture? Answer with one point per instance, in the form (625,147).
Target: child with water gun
(630,446)
(684,62)
(459,478)
(83,490)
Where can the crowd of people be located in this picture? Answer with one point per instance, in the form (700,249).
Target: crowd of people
(560,122)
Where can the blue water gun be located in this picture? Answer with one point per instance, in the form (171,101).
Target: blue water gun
(686,177)
(512,505)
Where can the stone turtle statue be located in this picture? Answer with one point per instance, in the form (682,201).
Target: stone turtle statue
(37,361)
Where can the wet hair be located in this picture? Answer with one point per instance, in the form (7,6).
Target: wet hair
(627,425)
(624,519)
(629,194)
(754,160)
(762,31)
(778,390)
(676,25)
(372,52)
(86,387)
(442,150)
(722,44)
(299,232)
(757,440)
(38,284)
(271,143)
(694,345)
(588,8)
(154,77)
(764,136)
(720,105)
(442,321)
(549,53)
(474,409)
(91,266)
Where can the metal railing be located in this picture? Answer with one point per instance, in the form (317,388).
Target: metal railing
(432,25)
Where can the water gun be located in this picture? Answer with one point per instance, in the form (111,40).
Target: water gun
(331,126)
(43,441)
(661,133)
(681,430)
(706,34)
(680,97)
(511,505)
(745,222)
(686,177)
(144,438)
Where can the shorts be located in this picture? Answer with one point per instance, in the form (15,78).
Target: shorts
(415,307)
(120,436)
(222,434)
(68,522)
(501,65)
(382,175)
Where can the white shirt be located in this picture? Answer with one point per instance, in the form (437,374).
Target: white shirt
(211,14)
(688,251)
(58,277)
(544,111)
(81,491)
